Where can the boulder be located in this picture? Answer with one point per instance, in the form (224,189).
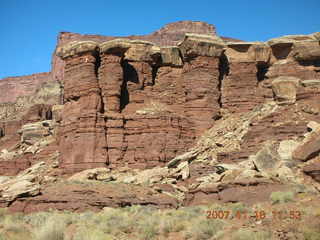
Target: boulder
(285,89)
(188,156)
(33,132)
(18,189)
(306,50)
(313,170)
(309,147)
(25,184)
(267,159)
(195,45)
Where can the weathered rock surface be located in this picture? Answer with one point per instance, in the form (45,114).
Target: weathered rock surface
(313,170)
(285,89)
(83,197)
(180,116)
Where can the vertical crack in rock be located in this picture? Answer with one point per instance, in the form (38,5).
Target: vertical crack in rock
(129,74)
(155,69)
(262,69)
(2,133)
(223,72)
(101,109)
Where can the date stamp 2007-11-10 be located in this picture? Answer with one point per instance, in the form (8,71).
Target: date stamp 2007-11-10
(257,214)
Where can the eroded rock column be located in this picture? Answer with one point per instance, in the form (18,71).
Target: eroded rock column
(247,62)
(201,81)
(82,133)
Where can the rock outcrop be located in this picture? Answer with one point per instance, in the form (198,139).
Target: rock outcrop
(183,112)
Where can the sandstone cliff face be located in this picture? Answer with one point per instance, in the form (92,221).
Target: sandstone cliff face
(169,35)
(148,103)
(137,102)
(197,120)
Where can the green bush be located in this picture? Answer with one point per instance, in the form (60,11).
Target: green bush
(52,229)
(281,197)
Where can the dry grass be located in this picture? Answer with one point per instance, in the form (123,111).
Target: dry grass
(146,223)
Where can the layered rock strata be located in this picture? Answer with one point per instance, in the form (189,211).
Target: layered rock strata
(148,103)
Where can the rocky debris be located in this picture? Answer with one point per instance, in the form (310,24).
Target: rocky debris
(188,156)
(309,147)
(227,134)
(285,89)
(22,188)
(92,174)
(34,138)
(23,185)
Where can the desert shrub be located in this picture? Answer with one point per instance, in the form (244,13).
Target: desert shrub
(37,219)
(116,221)
(172,224)
(203,229)
(52,229)
(3,212)
(244,234)
(148,226)
(281,197)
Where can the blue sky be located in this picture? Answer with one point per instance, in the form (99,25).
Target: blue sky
(29,28)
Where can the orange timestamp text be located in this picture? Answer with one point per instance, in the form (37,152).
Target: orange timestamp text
(257,214)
